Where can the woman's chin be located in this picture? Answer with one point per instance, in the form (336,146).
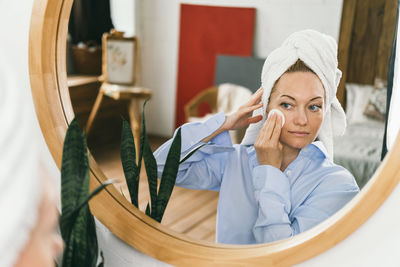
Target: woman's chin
(297,144)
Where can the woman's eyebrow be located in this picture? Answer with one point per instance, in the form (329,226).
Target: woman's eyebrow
(291,97)
(318,97)
(294,99)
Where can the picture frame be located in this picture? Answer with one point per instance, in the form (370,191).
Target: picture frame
(119,58)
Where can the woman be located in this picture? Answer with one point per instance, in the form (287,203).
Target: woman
(281,180)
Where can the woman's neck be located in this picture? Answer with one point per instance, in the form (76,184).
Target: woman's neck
(289,155)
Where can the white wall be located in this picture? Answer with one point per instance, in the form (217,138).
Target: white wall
(123,16)
(158,23)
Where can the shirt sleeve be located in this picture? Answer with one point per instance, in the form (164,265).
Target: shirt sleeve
(204,168)
(335,190)
(273,194)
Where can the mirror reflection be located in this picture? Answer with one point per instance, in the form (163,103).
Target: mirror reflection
(192,70)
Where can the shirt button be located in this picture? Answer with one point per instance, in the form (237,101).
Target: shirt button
(289,172)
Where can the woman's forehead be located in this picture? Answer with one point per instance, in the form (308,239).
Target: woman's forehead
(299,85)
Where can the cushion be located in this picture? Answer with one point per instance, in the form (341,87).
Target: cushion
(357,99)
(376,105)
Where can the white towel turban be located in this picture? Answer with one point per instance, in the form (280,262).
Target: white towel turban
(319,52)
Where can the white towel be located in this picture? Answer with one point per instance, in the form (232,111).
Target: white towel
(319,52)
(231,97)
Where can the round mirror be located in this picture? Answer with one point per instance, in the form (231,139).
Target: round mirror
(52,94)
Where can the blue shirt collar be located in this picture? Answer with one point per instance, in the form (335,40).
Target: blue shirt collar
(314,149)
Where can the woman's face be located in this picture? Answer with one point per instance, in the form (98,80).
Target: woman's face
(301,98)
(45,244)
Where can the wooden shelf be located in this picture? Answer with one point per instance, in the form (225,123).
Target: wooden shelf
(79,80)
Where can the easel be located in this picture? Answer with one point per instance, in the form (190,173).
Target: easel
(124,89)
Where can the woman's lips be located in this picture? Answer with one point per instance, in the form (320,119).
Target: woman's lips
(299,133)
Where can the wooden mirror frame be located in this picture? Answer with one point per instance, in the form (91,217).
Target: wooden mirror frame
(47,62)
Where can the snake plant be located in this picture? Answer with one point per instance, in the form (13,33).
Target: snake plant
(159,197)
(77,223)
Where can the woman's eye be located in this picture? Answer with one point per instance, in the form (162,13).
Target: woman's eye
(315,107)
(286,105)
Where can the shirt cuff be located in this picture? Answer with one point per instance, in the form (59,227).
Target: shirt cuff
(268,179)
(193,133)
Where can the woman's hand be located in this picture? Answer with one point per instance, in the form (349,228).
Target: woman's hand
(267,145)
(242,117)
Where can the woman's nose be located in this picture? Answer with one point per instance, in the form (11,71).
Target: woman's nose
(301,118)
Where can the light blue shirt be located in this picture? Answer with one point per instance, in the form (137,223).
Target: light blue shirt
(260,203)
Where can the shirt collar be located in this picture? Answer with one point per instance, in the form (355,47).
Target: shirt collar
(318,146)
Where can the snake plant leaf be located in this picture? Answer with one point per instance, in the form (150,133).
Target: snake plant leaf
(142,136)
(74,170)
(128,158)
(68,254)
(148,210)
(151,168)
(92,194)
(168,177)
(83,239)
(78,249)
(76,222)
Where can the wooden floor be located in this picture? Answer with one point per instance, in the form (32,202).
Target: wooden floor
(191,212)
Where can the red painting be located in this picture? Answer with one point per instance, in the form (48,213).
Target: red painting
(205,32)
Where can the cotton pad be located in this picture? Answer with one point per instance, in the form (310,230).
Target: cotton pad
(277,111)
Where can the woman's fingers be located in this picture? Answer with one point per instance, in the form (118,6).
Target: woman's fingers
(250,109)
(267,145)
(243,116)
(254,119)
(251,105)
(256,97)
(271,129)
(268,127)
(277,129)
(263,136)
